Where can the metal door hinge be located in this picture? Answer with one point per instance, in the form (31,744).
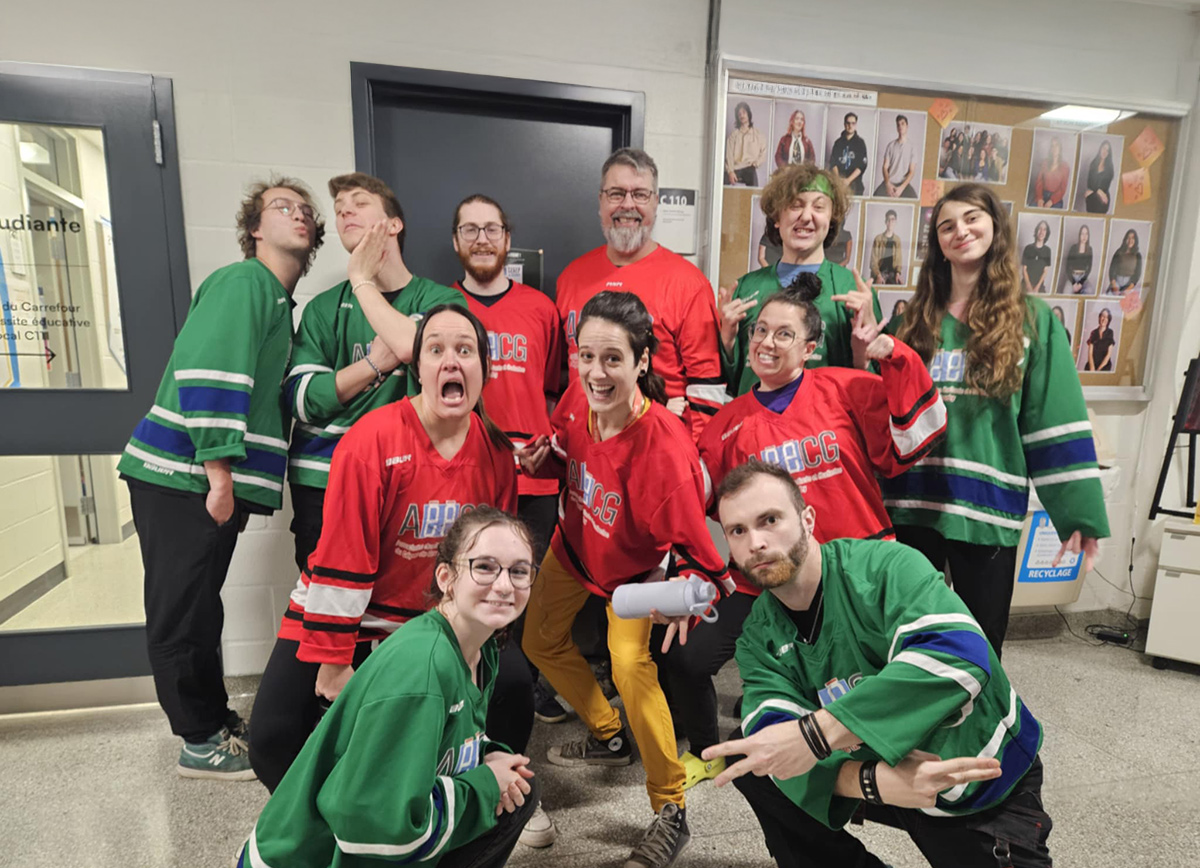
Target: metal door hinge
(158,146)
(87,505)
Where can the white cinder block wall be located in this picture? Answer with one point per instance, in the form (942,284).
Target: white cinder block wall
(265,85)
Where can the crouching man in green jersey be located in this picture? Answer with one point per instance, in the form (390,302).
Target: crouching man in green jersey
(862,670)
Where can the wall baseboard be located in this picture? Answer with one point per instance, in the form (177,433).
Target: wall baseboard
(32,591)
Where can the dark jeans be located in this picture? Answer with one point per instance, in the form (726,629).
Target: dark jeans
(186,556)
(981,575)
(540,512)
(747,176)
(690,669)
(287,709)
(1011,835)
(308,504)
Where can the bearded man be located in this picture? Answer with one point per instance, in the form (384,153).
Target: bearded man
(675,292)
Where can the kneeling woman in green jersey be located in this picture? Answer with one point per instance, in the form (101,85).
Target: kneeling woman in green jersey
(400,768)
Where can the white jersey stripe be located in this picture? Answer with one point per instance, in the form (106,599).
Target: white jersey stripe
(955,509)
(928,621)
(448,789)
(779,704)
(989,750)
(256,859)
(309,464)
(712,392)
(1067,476)
(392,849)
(932,419)
(309,369)
(264,440)
(328,429)
(151,458)
(1057,431)
(933,666)
(212,374)
(301,392)
(975,467)
(246,479)
(335,601)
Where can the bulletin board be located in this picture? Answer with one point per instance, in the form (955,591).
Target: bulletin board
(1095,253)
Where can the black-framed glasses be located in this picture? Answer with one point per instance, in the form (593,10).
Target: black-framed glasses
(616,195)
(493,231)
(784,337)
(486,570)
(287,207)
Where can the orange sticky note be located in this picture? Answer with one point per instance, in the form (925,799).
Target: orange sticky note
(1131,302)
(1147,147)
(1135,186)
(932,190)
(943,111)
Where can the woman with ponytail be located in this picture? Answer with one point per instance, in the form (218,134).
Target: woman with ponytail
(1016,413)
(634,493)
(833,429)
(399,479)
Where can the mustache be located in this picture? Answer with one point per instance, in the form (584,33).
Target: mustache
(627,213)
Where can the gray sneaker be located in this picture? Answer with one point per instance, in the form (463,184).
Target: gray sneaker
(663,841)
(224,757)
(590,751)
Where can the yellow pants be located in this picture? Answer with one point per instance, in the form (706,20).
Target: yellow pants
(553,604)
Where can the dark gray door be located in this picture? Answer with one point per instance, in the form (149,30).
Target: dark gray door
(534,147)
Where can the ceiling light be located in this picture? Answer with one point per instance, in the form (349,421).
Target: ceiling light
(1083,116)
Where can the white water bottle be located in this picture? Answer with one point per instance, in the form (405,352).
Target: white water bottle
(673,599)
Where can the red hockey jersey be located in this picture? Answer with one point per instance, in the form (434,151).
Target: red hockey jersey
(681,302)
(841,428)
(391,498)
(526,349)
(631,499)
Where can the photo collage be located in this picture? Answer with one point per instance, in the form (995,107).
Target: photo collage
(1069,246)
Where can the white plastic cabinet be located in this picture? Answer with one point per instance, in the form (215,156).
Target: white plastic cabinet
(1176,608)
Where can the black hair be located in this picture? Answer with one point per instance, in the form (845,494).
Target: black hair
(626,310)
(749,114)
(848,116)
(901,118)
(493,430)
(801,293)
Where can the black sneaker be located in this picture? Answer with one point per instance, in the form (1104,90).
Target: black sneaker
(663,841)
(237,726)
(590,751)
(545,706)
(603,673)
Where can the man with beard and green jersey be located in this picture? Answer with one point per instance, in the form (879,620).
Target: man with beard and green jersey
(862,671)
(805,209)
(354,343)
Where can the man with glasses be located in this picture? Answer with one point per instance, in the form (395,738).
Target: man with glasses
(354,343)
(675,292)
(525,346)
(210,452)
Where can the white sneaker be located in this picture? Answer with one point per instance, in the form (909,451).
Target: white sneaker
(539,831)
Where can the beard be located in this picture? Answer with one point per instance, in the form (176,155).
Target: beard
(628,239)
(782,571)
(483,273)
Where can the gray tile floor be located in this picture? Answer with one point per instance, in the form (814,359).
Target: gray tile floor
(1122,754)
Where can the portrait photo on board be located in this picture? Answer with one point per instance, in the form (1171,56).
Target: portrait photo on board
(1100,336)
(747,149)
(1128,244)
(798,134)
(845,244)
(900,146)
(887,242)
(763,251)
(1050,169)
(1066,311)
(1099,172)
(849,145)
(893,302)
(925,218)
(1038,236)
(1081,256)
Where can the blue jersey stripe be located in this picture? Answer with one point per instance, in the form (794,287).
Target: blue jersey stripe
(1060,455)
(164,439)
(950,486)
(963,644)
(437,823)
(322,446)
(1015,761)
(771,718)
(213,399)
(262,461)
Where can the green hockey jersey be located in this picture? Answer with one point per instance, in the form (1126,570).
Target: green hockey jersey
(974,485)
(901,663)
(834,348)
(334,333)
(394,771)
(220,396)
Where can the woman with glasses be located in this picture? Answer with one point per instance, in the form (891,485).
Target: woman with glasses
(833,429)
(634,493)
(403,767)
(399,479)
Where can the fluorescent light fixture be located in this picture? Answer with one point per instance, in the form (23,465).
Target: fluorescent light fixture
(1083,115)
(34,154)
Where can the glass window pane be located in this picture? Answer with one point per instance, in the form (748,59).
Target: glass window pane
(60,311)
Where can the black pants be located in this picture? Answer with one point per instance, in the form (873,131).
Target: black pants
(981,575)
(492,849)
(540,512)
(747,176)
(287,708)
(186,556)
(690,669)
(308,504)
(1011,835)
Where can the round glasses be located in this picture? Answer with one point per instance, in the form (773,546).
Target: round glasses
(486,570)
(784,337)
(287,207)
(493,231)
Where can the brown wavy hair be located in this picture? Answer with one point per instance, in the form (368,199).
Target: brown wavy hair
(249,215)
(785,187)
(997,317)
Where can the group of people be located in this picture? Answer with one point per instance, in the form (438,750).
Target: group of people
(979,157)
(470,463)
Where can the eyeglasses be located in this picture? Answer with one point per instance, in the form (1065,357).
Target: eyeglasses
(784,337)
(485,571)
(493,231)
(616,195)
(287,206)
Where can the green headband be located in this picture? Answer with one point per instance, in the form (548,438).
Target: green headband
(819,184)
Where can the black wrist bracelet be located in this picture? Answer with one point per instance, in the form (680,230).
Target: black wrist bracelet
(867,783)
(814,738)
